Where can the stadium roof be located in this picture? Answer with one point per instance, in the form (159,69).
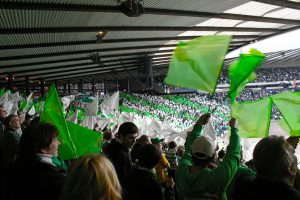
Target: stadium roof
(56,39)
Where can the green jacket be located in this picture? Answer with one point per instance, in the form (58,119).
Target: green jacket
(207,183)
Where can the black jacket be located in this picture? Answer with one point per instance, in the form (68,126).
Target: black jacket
(260,189)
(119,156)
(11,142)
(141,184)
(32,179)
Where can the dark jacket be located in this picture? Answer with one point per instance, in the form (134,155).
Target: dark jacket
(141,184)
(11,142)
(119,156)
(260,189)
(32,179)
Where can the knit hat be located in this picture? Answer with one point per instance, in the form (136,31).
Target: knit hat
(204,146)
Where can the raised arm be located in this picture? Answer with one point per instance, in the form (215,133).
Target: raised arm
(187,157)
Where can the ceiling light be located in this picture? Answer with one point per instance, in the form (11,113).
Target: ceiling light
(100,35)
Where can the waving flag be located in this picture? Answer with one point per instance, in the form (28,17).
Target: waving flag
(198,63)
(242,72)
(288,104)
(253,118)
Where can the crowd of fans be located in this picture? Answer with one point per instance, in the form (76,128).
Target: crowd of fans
(134,166)
(269,75)
(180,111)
(262,75)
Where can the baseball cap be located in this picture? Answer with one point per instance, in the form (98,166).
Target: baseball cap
(204,146)
(157,140)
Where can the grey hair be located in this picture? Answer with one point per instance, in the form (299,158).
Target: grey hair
(272,156)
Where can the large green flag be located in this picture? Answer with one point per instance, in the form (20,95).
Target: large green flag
(253,118)
(198,63)
(85,140)
(53,114)
(75,140)
(285,127)
(288,104)
(242,72)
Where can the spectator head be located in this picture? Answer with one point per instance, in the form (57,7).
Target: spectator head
(158,142)
(13,122)
(149,156)
(274,160)
(180,151)
(28,119)
(203,151)
(39,138)
(107,135)
(128,133)
(144,139)
(91,177)
(3,113)
(221,154)
(293,141)
(172,145)
(21,117)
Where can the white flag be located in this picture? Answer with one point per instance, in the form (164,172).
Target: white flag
(110,104)
(73,118)
(92,108)
(66,101)
(209,131)
(4,98)
(31,111)
(14,109)
(89,122)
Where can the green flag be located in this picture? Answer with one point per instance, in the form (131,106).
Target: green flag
(198,63)
(38,105)
(85,140)
(53,114)
(2,91)
(23,104)
(242,72)
(282,123)
(288,104)
(253,118)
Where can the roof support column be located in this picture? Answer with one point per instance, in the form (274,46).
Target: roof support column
(69,87)
(27,86)
(93,86)
(105,86)
(42,88)
(9,79)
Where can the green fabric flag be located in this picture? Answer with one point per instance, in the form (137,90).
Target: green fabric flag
(75,140)
(282,123)
(253,118)
(23,104)
(242,72)
(38,105)
(85,140)
(2,91)
(288,104)
(198,63)
(53,114)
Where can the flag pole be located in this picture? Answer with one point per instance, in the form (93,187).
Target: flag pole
(215,108)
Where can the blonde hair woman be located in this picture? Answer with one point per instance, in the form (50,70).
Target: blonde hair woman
(92,177)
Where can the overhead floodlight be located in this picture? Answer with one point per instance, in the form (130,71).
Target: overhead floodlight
(132,8)
(100,35)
